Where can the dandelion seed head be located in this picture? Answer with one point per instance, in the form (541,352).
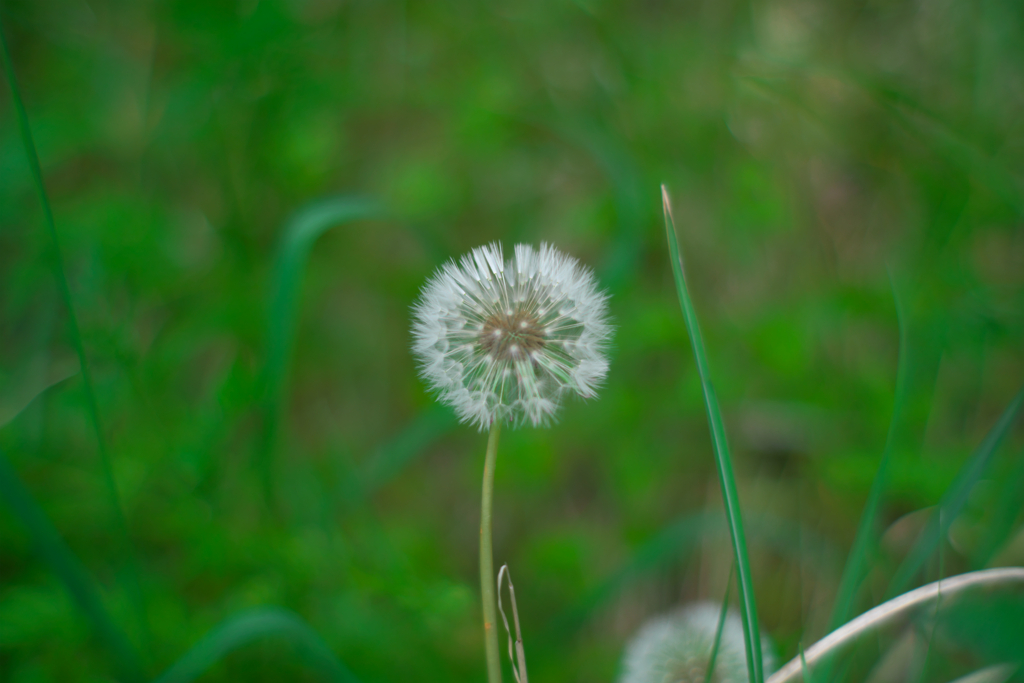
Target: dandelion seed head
(509,340)
(676,648)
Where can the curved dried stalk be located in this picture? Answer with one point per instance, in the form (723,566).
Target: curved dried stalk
(518,656)
(888,612)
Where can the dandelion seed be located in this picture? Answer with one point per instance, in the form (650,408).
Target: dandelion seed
(676,648)
(507,341)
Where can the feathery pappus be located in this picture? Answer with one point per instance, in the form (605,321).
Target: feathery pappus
(509,340)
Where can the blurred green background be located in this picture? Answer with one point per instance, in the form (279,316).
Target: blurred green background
(248,196)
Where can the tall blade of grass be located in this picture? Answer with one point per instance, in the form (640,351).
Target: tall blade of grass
(297,237)
(120,520)
(748,606)
(955,498)
(251,626)
(854,571)
(63,562)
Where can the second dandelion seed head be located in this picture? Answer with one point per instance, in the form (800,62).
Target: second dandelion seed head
(506,341)
(676,648)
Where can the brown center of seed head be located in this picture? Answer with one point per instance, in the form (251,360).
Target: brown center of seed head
(511,335)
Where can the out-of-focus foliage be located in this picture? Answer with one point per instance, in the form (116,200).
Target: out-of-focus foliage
(819,156)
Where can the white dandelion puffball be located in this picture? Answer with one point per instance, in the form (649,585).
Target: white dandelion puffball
(508,340)
(676,648)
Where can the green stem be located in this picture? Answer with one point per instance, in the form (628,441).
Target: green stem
(487,560)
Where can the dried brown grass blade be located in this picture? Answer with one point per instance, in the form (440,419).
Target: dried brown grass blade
(519,656)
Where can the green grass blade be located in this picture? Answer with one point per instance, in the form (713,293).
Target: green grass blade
(254,625)
(395,455)
(748,606)
(299,234)
(955,498)
(63,562)
(804,671)
(721,625)
(854,571)
(57,258)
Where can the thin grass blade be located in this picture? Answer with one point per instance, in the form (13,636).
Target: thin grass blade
(803,665)
(854,571)
(748,606)
(299,234)
(955,498)
(66,566)
(721,625)
(120,521)
(252,626)
(395,455)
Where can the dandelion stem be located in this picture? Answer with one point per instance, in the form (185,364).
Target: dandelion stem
(487,559)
